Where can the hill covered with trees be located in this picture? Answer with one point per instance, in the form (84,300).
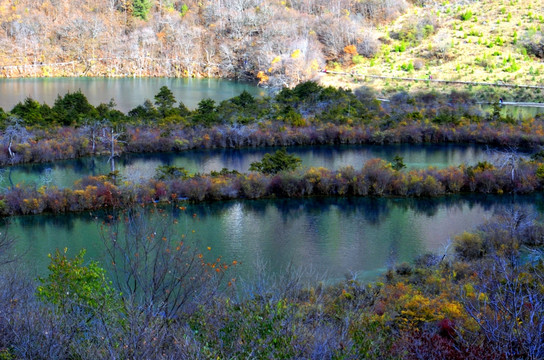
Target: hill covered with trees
(276,42)
(281,42)
(487,41)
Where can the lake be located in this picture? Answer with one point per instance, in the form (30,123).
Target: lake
(359,237)
(331,237)
(128,93)
(516,112)
(135,167)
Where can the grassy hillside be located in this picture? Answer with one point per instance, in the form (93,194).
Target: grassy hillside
(480,41)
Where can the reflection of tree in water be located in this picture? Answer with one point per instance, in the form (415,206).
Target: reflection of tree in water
(372,210)
(3,175)
(139,172)
(65,221)
(539,203)
(393,255)
(47,177)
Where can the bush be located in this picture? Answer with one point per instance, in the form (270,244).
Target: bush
(418,64)
(275,163)
(404,269)
(408,67)
(168,172)
(417,29)
(467,15)
(469,246)
(400,47)
(368,44)
(357,59)
(74,287)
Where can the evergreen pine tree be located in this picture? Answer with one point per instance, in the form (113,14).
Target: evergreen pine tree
(141,8)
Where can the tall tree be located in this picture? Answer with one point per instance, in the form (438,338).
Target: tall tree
(206,112)
(275,163)
(165,101)
(111,138)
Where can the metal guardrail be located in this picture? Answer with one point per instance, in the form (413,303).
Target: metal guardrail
(521,104)
(501,84)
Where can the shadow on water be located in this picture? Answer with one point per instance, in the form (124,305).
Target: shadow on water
(371,209)
(331,235)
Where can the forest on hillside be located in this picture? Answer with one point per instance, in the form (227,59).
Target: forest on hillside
(282,42)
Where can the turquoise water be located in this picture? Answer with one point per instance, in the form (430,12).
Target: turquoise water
(333,238)
(127,92)
(142,166)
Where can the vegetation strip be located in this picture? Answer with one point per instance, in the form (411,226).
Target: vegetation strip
(359,75)
(308,114)
(276,178)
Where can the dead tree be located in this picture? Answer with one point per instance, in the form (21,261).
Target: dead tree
(509,159)
(15,133)
(92,130)
(508,307)
(6,246)
(160,277)
(111,137)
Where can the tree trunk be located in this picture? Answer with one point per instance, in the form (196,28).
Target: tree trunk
(112,157)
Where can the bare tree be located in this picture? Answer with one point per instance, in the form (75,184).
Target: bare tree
(160,277)
(15,133)
(111,137)
(509,159)
(91,128)
(6,243)
(508,306)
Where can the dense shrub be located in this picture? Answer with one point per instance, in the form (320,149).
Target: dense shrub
(377,177)
(368,45)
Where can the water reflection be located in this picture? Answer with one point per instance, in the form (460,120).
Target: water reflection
(142,166)
(127,92)
(332,236)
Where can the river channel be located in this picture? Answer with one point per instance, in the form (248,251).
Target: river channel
(135,167)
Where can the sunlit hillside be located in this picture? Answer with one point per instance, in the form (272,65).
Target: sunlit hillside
(476,41)
(275,42)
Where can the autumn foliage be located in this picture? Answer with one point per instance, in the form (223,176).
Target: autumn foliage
(376,178)
(441,306)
